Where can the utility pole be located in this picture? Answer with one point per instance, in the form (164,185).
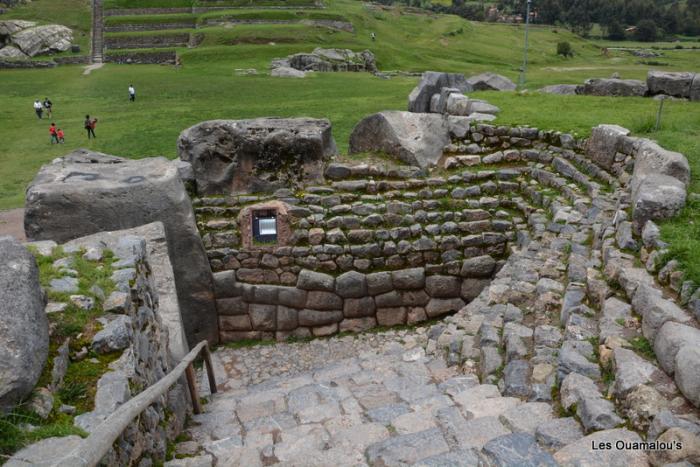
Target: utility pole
(523,70)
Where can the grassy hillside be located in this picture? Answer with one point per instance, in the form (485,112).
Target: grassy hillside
(170,100)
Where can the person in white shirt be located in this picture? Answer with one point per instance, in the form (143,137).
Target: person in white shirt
(132,93)
(38,108)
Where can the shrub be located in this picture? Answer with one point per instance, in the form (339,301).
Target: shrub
(564,49)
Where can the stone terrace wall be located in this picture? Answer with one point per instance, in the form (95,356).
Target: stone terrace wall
(140,58)
(147,41)
(184,24)
(142,320)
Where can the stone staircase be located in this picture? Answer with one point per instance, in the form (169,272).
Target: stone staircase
(571,345)
(97,42)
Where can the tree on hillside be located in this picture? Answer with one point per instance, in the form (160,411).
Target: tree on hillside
(615,31)
(646,31)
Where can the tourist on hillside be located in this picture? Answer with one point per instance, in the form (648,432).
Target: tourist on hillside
(132,93)
(38,108)
(53,133)
(373,36)
(90,126)
(61,136)
(47,106)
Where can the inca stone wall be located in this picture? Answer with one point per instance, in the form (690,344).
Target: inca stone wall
(141,320)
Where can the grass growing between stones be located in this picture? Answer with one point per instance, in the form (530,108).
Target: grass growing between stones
(14,435)
(643,347)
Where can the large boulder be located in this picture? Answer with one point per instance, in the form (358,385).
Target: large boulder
(258,155)
(653,159)
(603,144)
(613,87)
(330,60)
(413,138)
(491,82)
(676,84)
(68,200)
(432,83)
(24,329)
(43,39)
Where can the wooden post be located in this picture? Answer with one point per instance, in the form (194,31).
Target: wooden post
(658,114)
(192,385)
(210,369)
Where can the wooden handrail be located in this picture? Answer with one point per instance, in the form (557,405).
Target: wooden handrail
(93,448)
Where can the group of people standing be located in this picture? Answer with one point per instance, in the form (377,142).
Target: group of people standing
(57,135)
(40,107)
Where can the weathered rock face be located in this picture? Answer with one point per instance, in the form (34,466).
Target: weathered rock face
(561,89)
(13,53)
(695,88)
(67,200)
(677,84)
(24,329)
(613,87)
(11,26)
(491,82)
(602,146)
(43,39)
(653,159)
(432,83)
(329,60)
(264,154)
(414,138)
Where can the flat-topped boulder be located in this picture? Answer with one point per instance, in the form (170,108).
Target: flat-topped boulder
(413,138)
(613,87)
(257,155)
(24,329)
(561,89)
(491,82)
(70,199)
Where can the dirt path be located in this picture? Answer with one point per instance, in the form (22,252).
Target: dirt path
(12,223)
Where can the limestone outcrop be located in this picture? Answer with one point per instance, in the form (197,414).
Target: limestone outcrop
(24,329)
(29,39)
(613,87)
(676,84)
(69,199)
(443,93)
(326,60)
(258,155)
(413,138)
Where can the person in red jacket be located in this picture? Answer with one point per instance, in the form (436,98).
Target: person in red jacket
(60,135)
(52,133)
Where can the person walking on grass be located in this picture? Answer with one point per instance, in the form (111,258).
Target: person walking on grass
(53,133)
(61,136)
(38,108)
(132,93)
(90,126)
(48,105)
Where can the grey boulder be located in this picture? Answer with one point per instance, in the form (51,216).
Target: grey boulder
(656,197)
(675,84)
(43,39)
(561,89)
(413,138)
(24,328)
(431,83)
(68,200)
(603,144)
(11,26)
(491,82)
(287,72)
(613,87)
(12,53)
(258,155)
